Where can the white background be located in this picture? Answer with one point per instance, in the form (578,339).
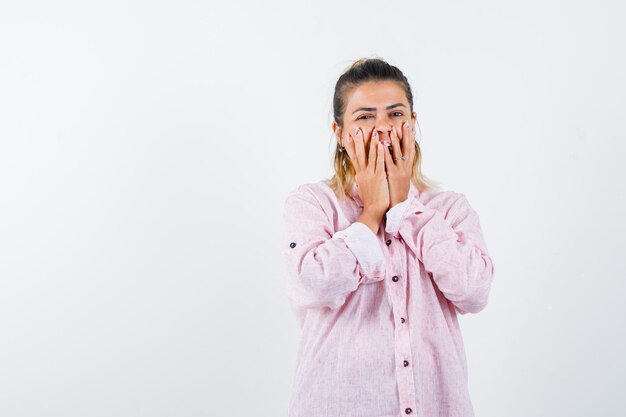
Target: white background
(146,149)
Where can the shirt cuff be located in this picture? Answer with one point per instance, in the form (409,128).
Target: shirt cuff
(364,244)
(397,213)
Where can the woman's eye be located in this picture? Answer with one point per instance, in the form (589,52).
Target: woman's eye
(395,113)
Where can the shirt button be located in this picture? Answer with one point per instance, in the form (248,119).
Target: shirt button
(408,411)
(402,319)
(406,363)
(394,278)
(388,242)
(292,245)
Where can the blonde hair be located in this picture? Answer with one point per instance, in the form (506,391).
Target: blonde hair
(360,71)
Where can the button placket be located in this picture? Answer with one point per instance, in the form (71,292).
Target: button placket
(404,371)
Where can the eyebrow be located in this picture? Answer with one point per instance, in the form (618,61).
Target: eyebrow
(374,108)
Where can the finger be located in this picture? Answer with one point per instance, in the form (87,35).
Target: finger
(413,142)
(395,144)
(349,146)
(371,161)
(407,139)
(384,161)
(359,147)
(388,159)
(380,160)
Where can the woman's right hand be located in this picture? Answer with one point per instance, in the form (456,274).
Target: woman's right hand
(371,176)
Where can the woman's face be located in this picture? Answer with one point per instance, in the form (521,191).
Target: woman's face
(376,105)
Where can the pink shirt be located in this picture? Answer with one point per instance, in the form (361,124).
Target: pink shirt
(378,313)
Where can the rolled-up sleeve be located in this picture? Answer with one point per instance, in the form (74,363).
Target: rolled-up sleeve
(395,215)
(323,265)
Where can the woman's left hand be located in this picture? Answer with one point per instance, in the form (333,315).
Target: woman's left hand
(399,172)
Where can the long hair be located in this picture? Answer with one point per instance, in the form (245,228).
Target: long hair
(359,72)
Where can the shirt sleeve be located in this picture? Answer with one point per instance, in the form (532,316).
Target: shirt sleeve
(324,266)
(395,214)
(454,253)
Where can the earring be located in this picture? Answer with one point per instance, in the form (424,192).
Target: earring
(342,149)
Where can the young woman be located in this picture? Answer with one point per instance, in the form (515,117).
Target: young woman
(379,263)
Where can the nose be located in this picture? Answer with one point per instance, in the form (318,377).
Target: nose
(384,131)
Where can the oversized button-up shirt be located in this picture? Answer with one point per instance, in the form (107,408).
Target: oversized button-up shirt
(378,312)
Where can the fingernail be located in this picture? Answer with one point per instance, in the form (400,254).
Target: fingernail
(374,134)
(406,124)
(356,132)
